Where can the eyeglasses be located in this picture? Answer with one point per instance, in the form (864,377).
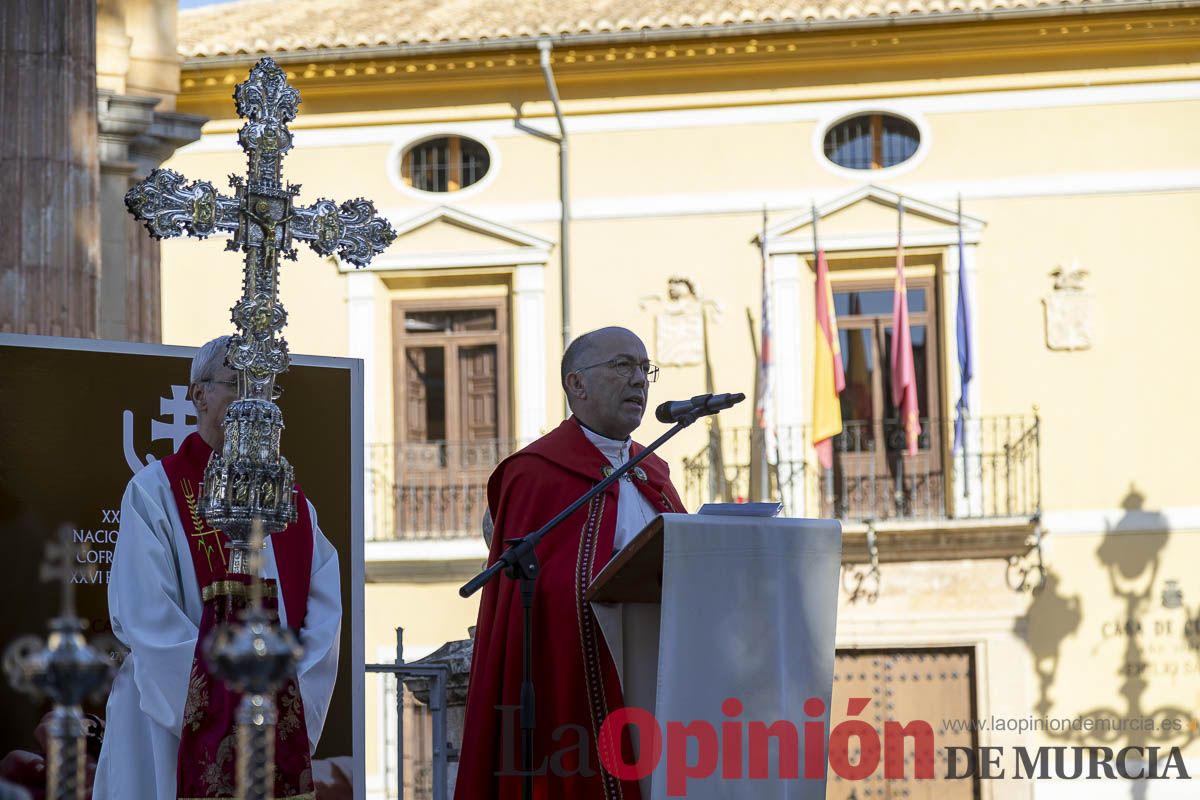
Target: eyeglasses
(625,367)
(276,390)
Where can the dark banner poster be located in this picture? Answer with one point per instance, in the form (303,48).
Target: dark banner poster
(79,417)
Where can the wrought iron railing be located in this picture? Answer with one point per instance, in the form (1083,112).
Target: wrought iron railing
(430,490)
(431,781)
(993,472)
(438,490)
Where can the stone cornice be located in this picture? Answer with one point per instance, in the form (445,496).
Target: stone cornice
(939,539)
(120,120)
(1067,42)
(169,131)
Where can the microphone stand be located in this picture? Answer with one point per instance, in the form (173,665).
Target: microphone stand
(520,563)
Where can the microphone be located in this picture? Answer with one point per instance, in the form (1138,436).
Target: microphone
(701,405)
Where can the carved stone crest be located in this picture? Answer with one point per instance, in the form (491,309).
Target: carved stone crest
(1069,312)
(679,325)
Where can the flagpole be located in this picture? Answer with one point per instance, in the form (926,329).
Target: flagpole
(764,488)
(815,218)
(826,472)
(898,489)
(960,428)
(895,356)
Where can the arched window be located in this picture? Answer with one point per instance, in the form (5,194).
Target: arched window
(871,141)
(444,164)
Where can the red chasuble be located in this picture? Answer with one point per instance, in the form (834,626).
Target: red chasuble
(207,766)
(574,675)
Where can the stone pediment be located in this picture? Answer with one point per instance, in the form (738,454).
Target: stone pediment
(866,219)
(447,237)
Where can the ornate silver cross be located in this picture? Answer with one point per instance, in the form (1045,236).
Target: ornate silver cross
(249,480)
(248,486)
(64,668)
(263,221)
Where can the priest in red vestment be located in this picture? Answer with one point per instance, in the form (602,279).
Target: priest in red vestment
(606,375)
(170,724)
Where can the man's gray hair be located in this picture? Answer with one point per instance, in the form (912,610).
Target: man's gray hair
(208,359)
(573,356)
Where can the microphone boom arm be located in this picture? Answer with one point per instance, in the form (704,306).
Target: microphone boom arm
(520,558)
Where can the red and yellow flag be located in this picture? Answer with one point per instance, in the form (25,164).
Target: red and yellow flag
(829,378)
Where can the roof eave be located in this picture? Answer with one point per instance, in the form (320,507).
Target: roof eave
(660,35)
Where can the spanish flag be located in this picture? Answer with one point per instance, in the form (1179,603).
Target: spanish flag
(829,378)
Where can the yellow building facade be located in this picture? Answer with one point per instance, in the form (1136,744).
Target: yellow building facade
(1042,566)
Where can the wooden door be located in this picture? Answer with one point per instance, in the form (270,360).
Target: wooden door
(480,408)
(478,382)
(451,426)
(906,685)
(424,412)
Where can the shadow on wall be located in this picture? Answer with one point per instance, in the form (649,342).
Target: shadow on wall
(1051,618)
(1131,554)
(1133,562)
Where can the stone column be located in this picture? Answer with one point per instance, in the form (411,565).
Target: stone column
(134,139)
(529,312)
(122,119)
(361,286)
(49,239)
(791,408)
(137,71)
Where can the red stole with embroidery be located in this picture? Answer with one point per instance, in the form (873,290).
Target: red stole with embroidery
(207,765)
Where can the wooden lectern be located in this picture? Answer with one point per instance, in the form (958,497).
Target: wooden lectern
(698,609)
(634,575)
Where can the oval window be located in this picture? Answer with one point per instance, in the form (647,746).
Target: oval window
(444,164)
(871,141)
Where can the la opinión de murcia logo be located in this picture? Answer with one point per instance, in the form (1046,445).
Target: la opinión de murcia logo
(740,749)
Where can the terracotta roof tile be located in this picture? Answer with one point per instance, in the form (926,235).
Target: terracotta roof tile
(280,26)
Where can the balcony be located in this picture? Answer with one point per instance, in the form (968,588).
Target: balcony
(430,491)
(981,501)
